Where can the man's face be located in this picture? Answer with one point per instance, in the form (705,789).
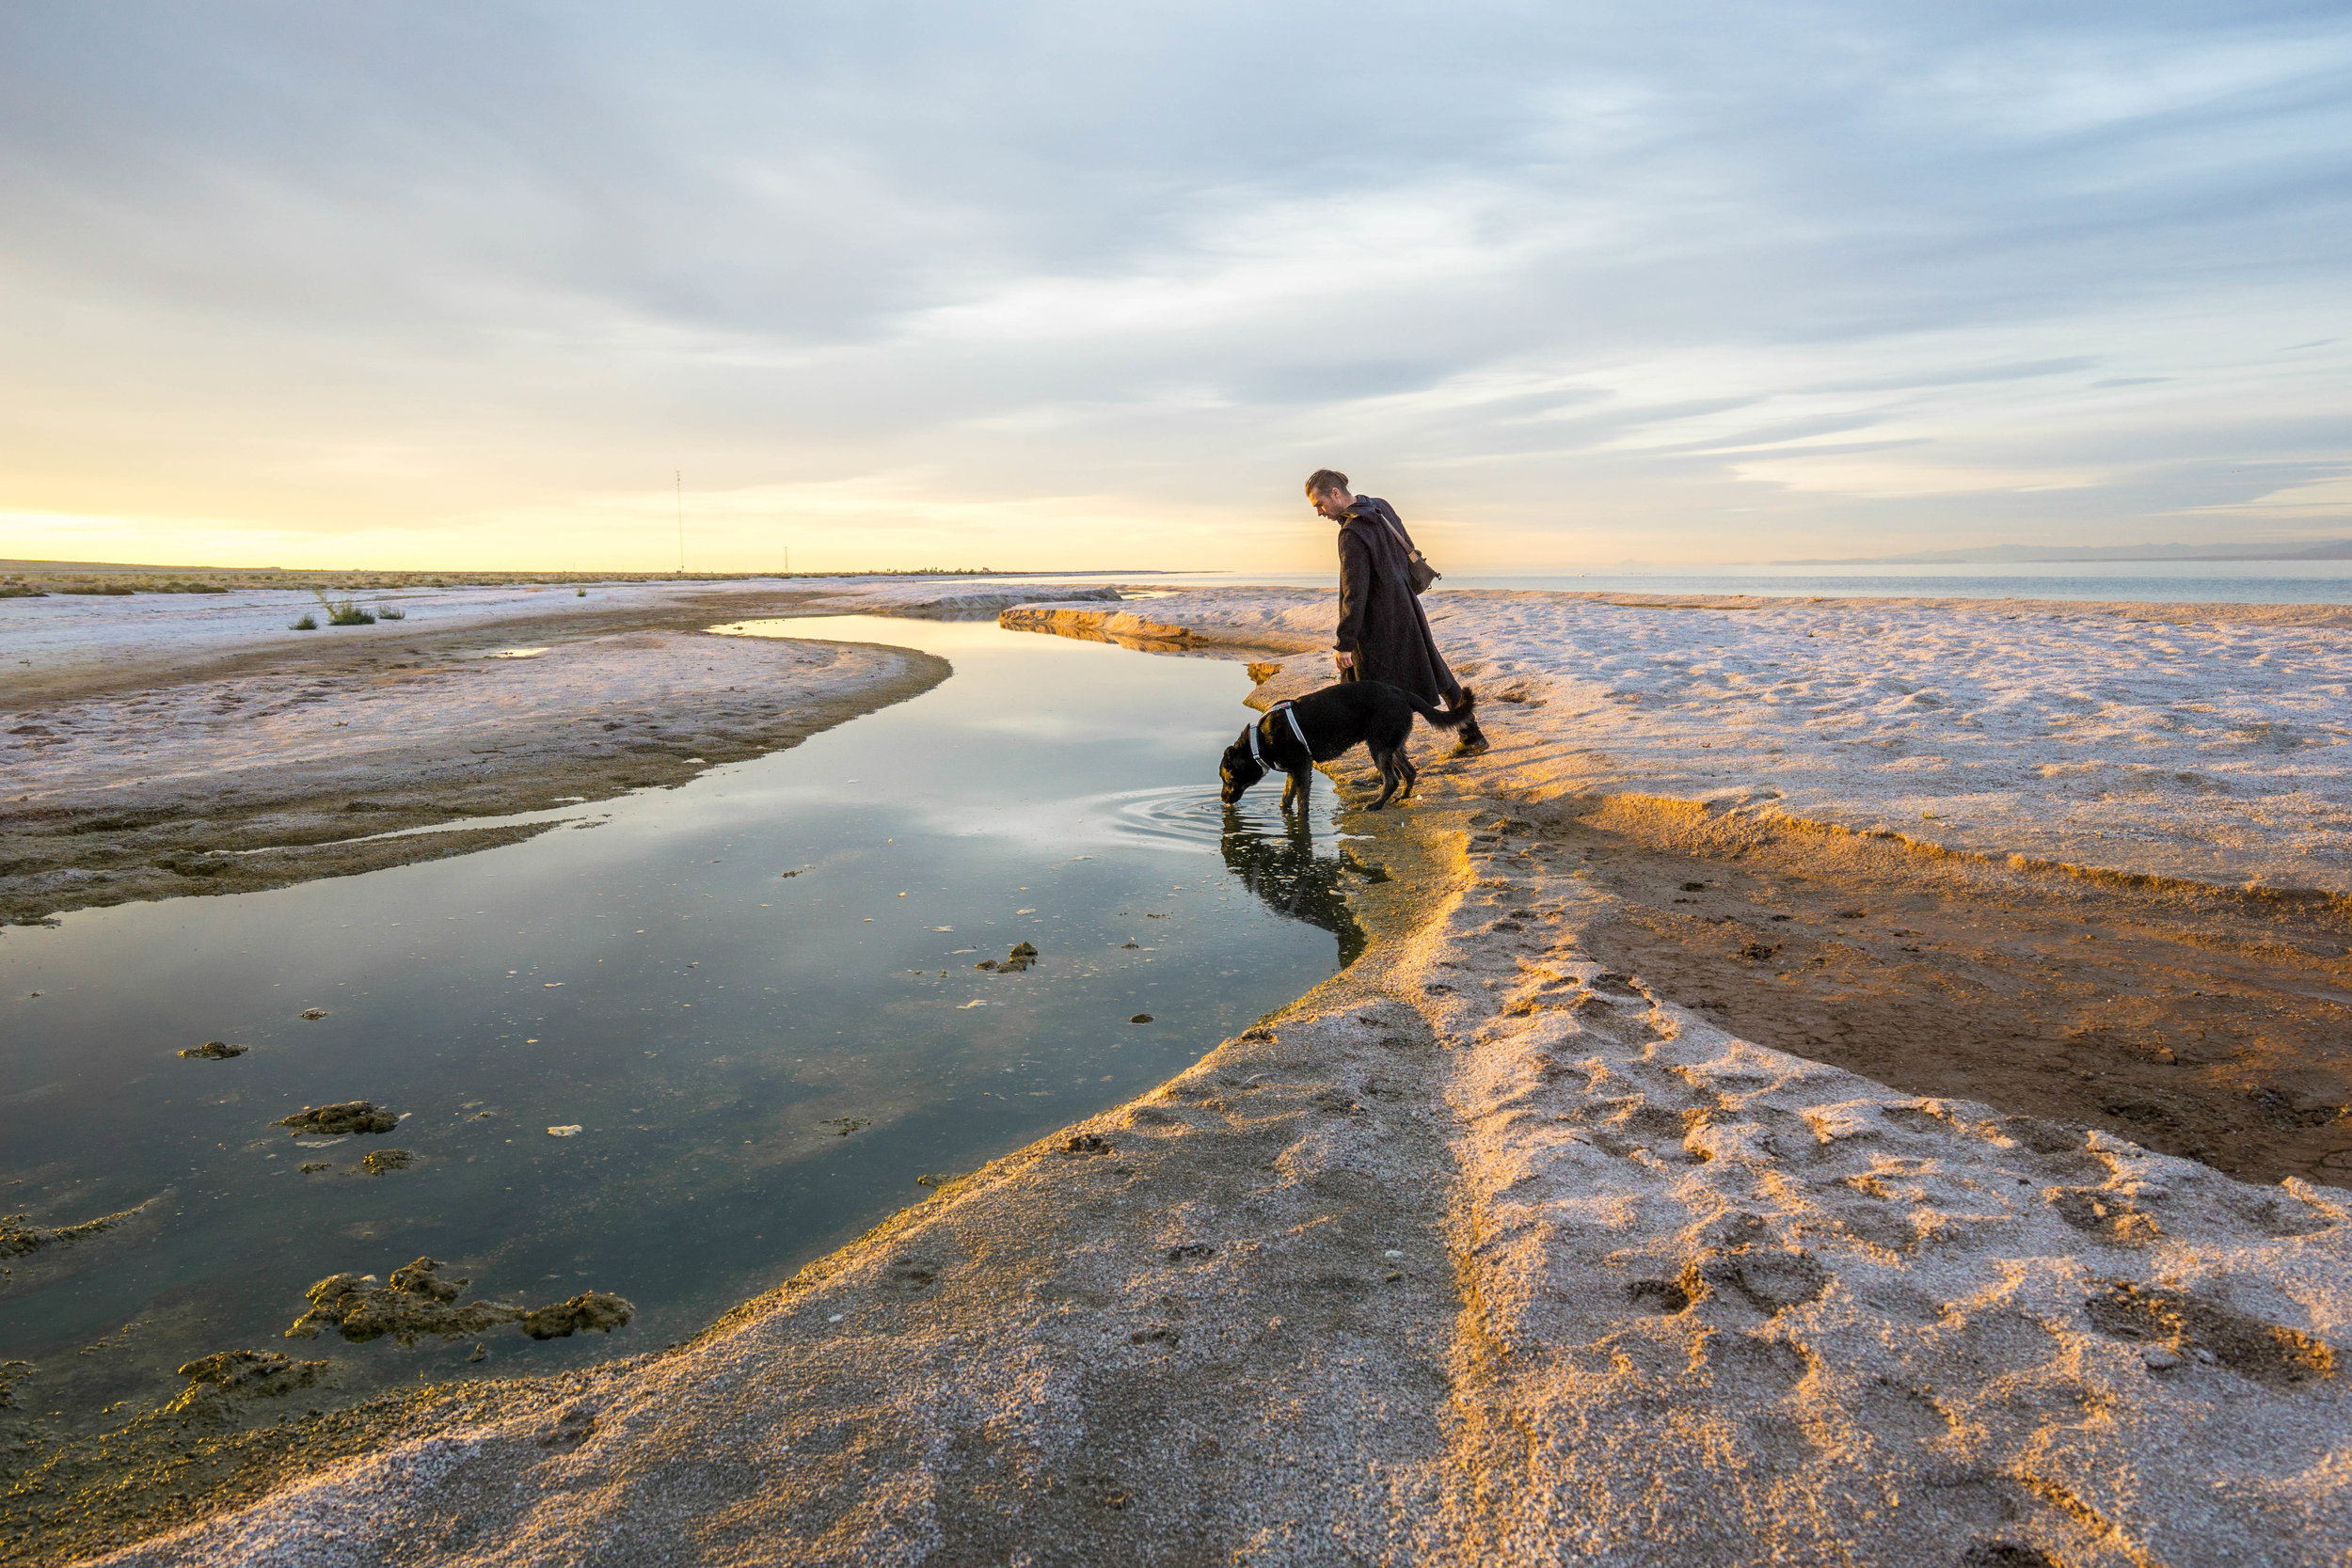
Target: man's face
(1331,503)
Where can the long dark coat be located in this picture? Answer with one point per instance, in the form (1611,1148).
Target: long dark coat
(1380,620)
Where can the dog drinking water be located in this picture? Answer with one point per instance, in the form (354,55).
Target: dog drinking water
(1294,736)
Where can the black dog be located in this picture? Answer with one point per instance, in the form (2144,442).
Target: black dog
(1294,737)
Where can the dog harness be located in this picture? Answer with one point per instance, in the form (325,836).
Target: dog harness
(1282,707)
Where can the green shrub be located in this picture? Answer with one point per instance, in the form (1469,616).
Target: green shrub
(348,613)
(387,612)
(307,623)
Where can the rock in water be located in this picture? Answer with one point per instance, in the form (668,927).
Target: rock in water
(385,1159)
(354,1115)
(216,1051)
(1140,1018)
(415,1304)
(598,1309)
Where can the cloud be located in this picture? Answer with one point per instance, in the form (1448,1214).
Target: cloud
(471,279)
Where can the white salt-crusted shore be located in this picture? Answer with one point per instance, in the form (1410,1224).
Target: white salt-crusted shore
(2210,742)
(1481,1254)
(426,711)
(156,638)
(165,745)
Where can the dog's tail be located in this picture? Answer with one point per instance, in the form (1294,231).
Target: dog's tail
(1446,717)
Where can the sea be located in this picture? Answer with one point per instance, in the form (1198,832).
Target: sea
(2145,581)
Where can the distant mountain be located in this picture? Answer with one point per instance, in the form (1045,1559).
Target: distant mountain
(2013,555)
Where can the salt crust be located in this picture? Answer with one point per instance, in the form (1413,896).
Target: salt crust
(1484,1256)
(197,736)
(2212,742)
(177,631)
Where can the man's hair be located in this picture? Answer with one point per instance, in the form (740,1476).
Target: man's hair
(1325,479)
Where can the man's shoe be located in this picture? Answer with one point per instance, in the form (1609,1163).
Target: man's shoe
(1471,745)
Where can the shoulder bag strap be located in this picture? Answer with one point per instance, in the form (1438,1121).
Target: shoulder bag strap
(1389,522)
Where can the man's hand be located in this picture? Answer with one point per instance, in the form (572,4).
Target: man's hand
(1344,659)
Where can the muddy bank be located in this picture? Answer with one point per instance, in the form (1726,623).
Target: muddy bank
(234,787)
(2200,1022)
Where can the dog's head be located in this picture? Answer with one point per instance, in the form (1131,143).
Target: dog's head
(1237,770)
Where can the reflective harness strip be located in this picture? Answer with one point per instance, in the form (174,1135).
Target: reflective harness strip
(1284,710)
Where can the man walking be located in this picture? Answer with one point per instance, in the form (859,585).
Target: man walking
(1383,634)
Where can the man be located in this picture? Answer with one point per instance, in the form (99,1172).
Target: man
(1383,634)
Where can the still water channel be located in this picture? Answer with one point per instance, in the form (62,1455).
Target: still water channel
(755,996)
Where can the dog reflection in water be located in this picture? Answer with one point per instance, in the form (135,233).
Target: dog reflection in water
(1285,874)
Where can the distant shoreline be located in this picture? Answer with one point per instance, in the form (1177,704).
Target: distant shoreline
(373,577)
(2088,555)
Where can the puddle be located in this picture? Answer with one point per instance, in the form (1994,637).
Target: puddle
(673,1059)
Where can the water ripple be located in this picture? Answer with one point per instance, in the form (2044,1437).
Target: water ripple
(1190,817)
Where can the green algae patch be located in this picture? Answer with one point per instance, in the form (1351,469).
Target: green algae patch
(17,1238)
(220,1385)
(416,1303)
(355,1116)
(600,1310)
(67,1497)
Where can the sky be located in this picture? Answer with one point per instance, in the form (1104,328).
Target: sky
(1072,286)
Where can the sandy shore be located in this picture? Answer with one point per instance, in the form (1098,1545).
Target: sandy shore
(165,746)
(1502,1247)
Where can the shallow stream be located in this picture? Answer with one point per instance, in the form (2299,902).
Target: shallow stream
(673,1049)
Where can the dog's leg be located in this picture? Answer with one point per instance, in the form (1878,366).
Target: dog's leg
(1388,777)
(1412,774)
(1296,787)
